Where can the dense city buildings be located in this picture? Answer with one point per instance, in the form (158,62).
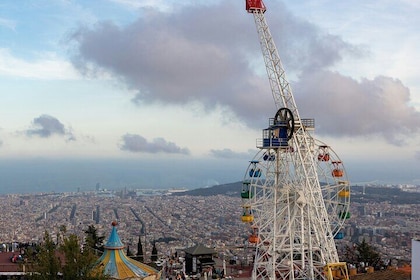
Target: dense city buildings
(177,220)
(170,221)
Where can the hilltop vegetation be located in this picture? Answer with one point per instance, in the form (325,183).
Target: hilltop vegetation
(372,193)
(379,194)
(231,189)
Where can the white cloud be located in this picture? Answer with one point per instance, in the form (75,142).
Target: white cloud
(46,67)
(177,64)
(171,58)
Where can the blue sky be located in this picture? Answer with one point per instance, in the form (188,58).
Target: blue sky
(162,85)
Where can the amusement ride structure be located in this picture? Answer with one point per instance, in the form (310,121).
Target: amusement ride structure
(295,193)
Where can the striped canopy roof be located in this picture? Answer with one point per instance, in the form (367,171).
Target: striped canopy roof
(118,266)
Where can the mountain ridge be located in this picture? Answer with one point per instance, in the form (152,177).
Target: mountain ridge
(229,189)
(359,194)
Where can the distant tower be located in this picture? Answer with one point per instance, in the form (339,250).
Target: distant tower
(295,191)
(98,186)
(98,214)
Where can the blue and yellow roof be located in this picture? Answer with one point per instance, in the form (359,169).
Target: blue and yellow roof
(118,266)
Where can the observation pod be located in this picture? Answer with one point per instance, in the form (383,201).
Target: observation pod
(246,192)
(247,216)
(269,156)
(338,170)
(253,238)
(339,235)
(323,154)
(344,193)
(255,172)
(344,215)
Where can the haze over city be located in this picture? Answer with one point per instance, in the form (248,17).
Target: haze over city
(174,93)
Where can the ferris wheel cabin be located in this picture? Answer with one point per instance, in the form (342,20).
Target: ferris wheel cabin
(246,192)
(247,216)
(323,154)
(253,238)
(338,169)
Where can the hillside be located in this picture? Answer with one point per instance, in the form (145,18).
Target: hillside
(372,193)
(230,189)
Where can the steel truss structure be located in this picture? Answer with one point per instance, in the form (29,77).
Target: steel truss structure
(295,193)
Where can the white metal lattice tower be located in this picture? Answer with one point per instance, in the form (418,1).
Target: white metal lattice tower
(295,192)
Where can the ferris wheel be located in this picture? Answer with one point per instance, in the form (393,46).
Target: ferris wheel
(295,193)
(259,179)
(278,208)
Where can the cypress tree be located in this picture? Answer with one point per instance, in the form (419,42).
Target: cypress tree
(140,251)
(367,254)
(154,255)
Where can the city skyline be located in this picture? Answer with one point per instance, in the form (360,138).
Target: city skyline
(174,94)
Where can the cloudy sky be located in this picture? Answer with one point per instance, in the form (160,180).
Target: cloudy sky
(174,93)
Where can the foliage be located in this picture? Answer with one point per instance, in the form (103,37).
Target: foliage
(93,240)
(67,261)
(154,255)
(367,254)
(45,262)
(79,264)
(140,250)
(363,253)
(380,194)
(128,253)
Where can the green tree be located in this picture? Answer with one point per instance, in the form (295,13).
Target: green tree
(140,250)
(154,255)
(367,254)
(93,240)
(79,264)
(45,262)
(67,261)
(129,253)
